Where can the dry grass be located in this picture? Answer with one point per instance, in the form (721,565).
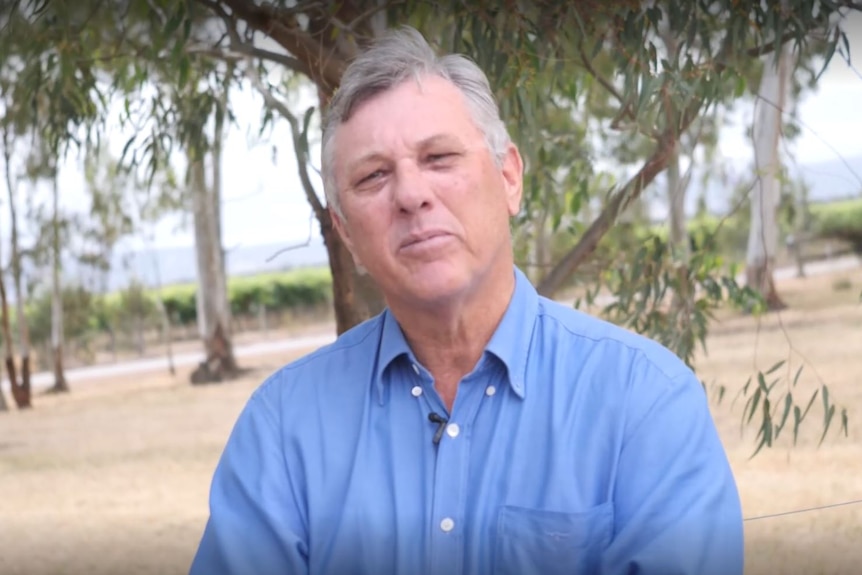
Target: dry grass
(822,332)
(113,478)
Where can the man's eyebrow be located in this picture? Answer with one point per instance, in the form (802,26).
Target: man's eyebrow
(421,144)
(370,156)
(436,139)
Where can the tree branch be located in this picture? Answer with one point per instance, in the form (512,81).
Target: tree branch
(324,63)
(299,146)
(601,79)
(551,283)
(243,50)
(626,109)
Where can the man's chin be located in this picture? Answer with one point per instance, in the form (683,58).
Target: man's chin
(435,287)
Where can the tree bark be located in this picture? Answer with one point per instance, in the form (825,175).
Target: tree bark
(8,345)
(678,240)
(213,308)
(348,285)
(60,383)
(20,299)
(20,391)
(763,229)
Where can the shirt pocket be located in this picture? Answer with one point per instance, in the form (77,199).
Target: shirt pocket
(535,541)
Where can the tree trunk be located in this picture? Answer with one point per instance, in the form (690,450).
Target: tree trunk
(350,310)
(20,300)
(216,189)
(676,188)
(213,308)
(60,383)
(140,337)
(4,406)
(8,345)
(541,246)
(20,391)
(167,335)
(678,232)
(167,338)
(763,230)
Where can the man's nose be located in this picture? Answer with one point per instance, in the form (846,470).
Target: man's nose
(411,191)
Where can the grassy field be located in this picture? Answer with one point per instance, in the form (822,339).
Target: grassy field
(113,478)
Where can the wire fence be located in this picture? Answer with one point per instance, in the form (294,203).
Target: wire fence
(807,510)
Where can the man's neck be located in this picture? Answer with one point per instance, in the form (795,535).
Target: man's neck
(449,339)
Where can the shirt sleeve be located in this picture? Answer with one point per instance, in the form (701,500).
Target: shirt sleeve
(255,523)
(677,507)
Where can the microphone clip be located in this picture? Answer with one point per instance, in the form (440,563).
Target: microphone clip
(441,425)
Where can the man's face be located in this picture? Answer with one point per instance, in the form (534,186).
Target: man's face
(426,208)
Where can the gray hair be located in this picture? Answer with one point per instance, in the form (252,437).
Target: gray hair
(400,55)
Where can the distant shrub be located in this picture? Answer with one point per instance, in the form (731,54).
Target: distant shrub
(839,221)
(285,291)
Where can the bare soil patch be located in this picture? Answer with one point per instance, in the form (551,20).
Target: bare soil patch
(114,477)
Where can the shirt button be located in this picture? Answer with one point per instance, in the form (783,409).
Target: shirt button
(416,391)
(447,525)
(490,390)
(452,429)
(416,368)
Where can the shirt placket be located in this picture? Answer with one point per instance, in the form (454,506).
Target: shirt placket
(451,483)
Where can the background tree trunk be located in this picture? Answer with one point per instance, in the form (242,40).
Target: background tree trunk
(60,383)
(677,184)
(763,230)
(4,406)
(20,297)
(8,343)
(20,391)
(213,307)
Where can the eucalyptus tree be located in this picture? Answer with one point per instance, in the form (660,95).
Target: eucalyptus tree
(21,391)
(545,60)
(557,46)
(83,57)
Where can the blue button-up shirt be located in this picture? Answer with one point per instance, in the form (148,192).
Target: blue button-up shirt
(574,446)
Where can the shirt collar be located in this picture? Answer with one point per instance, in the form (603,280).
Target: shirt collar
(510,342)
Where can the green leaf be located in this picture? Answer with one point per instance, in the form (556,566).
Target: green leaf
(826,60)
(828,420)
(184,69)
(788,403)
(775,367)
(761,382)
(810,403)
(797,420)
(173,23)
(755,401)
(796,377)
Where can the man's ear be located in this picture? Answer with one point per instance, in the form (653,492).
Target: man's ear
(341,228)
(513,178)
(338,224)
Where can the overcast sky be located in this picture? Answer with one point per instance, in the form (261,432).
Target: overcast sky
(264,202)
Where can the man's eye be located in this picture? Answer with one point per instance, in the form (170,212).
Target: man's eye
(373,175)
(439,157)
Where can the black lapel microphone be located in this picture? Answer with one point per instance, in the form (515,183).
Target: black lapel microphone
(441,424)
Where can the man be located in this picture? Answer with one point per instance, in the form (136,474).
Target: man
(473,427)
